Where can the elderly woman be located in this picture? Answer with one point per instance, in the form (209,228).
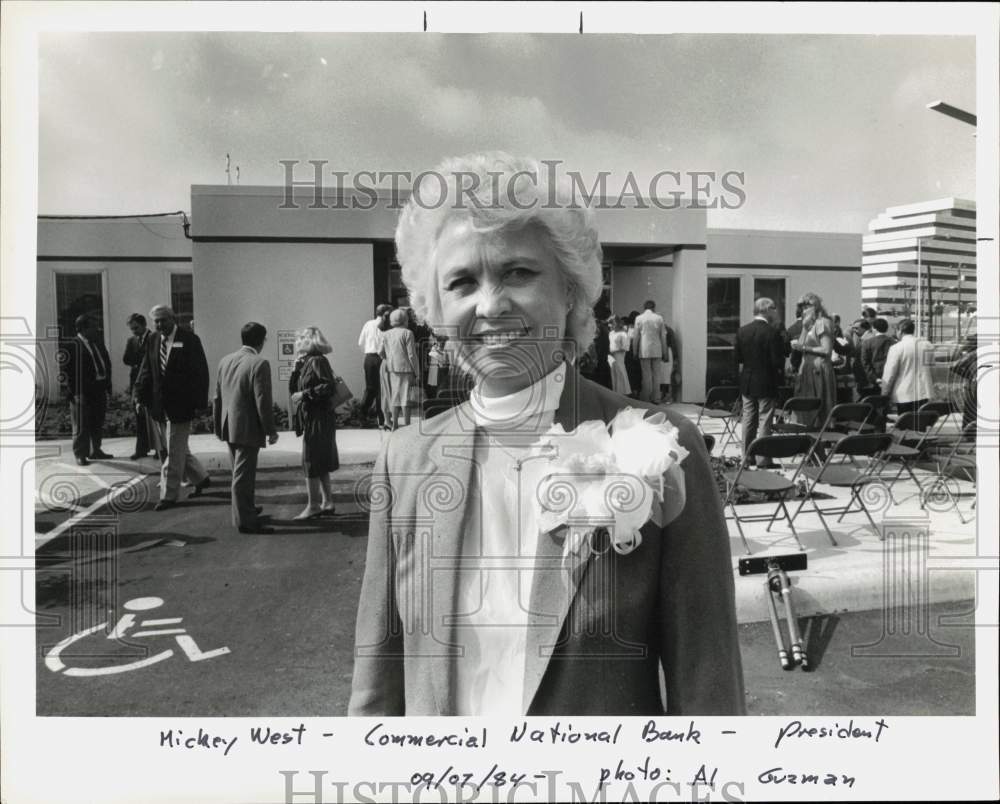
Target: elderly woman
(311,388)
(485,591)
(816,376)
(399,356)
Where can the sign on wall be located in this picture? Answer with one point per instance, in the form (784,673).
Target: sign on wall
(286,354)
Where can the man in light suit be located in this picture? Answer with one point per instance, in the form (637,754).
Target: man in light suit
(906,379)
(650,346)
(172,386)
(761,353)
(87,383)
(244,419)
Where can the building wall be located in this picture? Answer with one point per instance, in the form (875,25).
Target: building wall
(689,314)
(285,286)
(632,285)
(828,264)
(135,258)
(253,260)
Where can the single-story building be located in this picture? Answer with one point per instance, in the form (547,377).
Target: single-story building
(273,255)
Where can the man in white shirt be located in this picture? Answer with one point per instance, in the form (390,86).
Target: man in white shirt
(650,346)
(906,379)
(370,342)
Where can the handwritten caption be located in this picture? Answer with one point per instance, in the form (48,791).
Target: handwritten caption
(635,752)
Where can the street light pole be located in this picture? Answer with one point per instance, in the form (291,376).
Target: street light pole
(920,293)
(958,289)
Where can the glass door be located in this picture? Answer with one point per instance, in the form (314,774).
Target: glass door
(723,324)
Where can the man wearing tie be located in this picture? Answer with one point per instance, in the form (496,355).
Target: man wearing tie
(134,348)
(172,385)
(87,383)
(760,350)
(244,419)
(650,346)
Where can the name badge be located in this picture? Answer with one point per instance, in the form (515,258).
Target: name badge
(176,345)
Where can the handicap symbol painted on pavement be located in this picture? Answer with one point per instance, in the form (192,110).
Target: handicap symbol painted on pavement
(151,628)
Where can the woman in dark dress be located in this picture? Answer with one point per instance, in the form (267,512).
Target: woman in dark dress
(312,388)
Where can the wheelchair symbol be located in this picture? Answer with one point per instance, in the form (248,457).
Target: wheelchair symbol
(184,642)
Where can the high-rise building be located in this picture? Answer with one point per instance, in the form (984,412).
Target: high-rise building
(920,261)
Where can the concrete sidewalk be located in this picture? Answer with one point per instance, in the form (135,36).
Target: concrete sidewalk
(921,562)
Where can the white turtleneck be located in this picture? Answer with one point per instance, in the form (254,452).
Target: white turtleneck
(499,546)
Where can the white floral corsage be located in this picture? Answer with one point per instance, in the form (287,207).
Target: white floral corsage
(609,478)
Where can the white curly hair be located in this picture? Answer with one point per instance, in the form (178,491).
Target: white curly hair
(496,191)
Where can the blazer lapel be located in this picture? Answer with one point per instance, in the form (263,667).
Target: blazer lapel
(556,579)
(452,456)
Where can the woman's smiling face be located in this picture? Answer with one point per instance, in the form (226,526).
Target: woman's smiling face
(504,302)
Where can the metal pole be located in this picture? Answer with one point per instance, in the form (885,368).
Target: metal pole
(958,325)
(920,295)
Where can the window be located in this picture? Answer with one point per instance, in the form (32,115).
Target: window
(182,298)
(76,295)
(723,324)
(773,289)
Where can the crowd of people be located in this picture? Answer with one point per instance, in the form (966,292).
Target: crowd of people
(814,351)
(169,388)
(405,363)
(634,355)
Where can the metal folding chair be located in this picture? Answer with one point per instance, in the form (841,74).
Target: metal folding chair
(880,412)
(957,458)
(909,436)
(720,405)
(805,407)
(943,411)
(762,480)
(843,474)
(847,418)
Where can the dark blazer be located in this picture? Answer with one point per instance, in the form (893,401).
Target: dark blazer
(760,350)
(598,628)
(874,351)
(133,356)
(179,393)
(79,376)
(791,334)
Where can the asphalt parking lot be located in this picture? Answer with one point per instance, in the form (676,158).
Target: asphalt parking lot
(209,622)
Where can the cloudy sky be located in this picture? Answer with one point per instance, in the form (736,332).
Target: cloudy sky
(829,130)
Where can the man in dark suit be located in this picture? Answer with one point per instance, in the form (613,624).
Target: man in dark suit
(793,333)
(172,385)
(874,351)
(762,355)
(244,419)
(87,383)
(134,348)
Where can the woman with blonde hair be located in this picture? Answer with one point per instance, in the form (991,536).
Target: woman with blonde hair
(816,375)
(399,354)
(312,386)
